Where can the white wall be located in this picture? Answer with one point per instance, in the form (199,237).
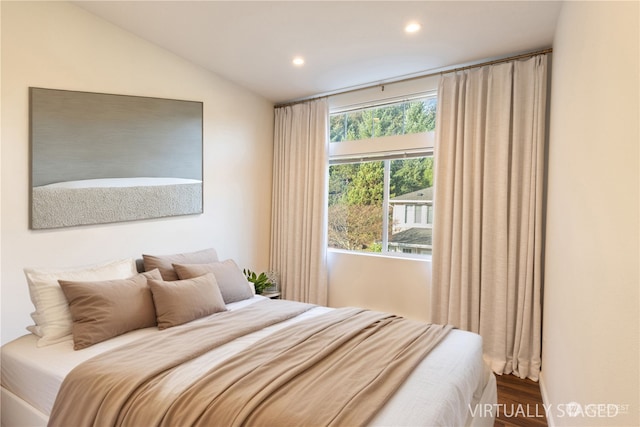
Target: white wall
(58,45)
(394,285)
(591,298)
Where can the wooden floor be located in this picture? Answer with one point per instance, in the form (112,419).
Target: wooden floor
(519,403)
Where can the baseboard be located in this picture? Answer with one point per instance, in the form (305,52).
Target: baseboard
(545,400)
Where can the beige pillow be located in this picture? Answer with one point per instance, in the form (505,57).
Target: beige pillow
(52,316)
(164,262)
(105,309)
(182,301)
(233,285)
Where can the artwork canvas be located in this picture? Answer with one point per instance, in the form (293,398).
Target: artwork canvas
(102,158)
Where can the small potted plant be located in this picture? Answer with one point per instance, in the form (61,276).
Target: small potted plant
(260,281)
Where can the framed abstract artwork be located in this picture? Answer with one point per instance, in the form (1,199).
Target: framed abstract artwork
(101,158)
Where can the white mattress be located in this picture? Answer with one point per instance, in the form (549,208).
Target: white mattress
(440,390)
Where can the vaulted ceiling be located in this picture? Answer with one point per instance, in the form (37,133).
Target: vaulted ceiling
(345,44)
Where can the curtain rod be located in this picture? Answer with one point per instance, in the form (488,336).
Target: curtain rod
(422,76)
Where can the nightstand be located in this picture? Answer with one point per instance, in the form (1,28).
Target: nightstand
(272,295)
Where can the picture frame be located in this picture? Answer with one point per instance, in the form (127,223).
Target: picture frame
(102,158)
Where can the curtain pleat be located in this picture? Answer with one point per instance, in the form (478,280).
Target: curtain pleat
(298,242)
(487,238)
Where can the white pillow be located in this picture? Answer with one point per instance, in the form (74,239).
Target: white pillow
(52,315)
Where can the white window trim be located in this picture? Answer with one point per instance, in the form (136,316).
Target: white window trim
(385,146)
(395,255)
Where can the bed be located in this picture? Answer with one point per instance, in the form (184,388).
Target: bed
(113,200)
(445,388)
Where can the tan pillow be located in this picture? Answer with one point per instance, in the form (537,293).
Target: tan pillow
(163,262)
(105,309)
(233,285)
(182,301)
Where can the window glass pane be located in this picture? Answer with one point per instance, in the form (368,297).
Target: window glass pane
(408,175)
(421,116)
(411,198)
(359,125)
(337,128)
(355,206)
(389,120)
(356,197)
(395,119)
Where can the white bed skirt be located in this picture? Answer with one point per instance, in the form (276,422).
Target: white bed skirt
(15,412)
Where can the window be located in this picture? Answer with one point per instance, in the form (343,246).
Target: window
(381,178)
(408,211)
(417,219)
(376,206)
(400,118)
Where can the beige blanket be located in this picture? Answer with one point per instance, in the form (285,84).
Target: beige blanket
(335,369)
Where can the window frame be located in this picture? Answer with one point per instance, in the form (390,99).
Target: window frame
(379,149)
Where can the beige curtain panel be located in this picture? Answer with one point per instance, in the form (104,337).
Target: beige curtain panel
(299,211)
(487,238)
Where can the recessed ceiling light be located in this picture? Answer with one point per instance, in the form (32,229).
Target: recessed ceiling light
(412,27)
(298,61)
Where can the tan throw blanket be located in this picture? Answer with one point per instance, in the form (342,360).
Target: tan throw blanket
(334,369)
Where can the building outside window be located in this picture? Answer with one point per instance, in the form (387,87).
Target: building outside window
(411,233)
